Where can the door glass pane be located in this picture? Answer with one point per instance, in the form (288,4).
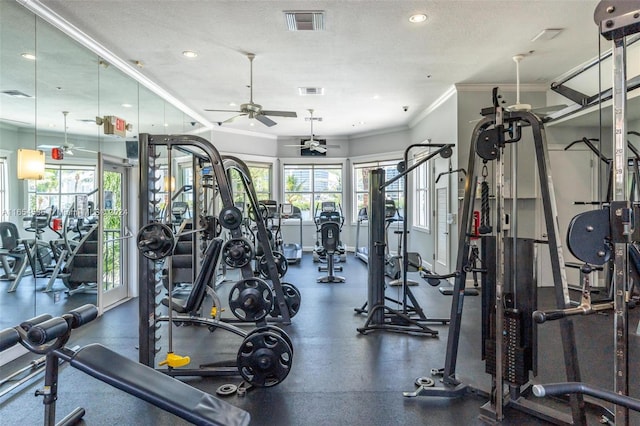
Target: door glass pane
(112,217)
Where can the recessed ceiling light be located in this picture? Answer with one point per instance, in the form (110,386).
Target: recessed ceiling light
(376,96)
(127,105)
(232,104)
(189,53)
(166,124)
(252,124)
(418,17)
(29,56)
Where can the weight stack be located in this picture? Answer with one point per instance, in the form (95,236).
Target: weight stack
(516,366)
(520,300)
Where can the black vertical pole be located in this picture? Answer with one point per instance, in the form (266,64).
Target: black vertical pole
(146,296)
(376,247)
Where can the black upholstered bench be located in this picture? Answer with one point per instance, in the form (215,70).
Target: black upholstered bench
(156,388)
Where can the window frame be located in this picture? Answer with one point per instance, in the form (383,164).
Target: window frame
(4,189)
(336,164)
(390,163)
(422,185)
(59,194)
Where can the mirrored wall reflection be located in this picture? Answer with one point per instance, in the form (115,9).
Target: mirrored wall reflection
(17,130)
(66,229)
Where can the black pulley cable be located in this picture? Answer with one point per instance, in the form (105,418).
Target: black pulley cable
(485,224)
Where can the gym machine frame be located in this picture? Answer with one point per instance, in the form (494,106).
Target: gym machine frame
(230,215)
(616,21)
(488,138)
(411,318)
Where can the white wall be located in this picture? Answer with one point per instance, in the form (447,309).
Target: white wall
(440,126)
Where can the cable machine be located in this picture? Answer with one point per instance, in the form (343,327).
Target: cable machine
(618,229)
(509,339)
(409,318)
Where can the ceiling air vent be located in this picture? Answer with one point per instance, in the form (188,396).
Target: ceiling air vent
(16,94)
(304,20)
(306,91)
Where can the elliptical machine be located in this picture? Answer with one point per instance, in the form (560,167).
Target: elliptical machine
(328,211)
(330,225)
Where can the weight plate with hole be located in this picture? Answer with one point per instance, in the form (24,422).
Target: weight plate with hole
(273,329)
(230,217)
(251,299)
(426,382)
(281,265)
(237,252)
(226,390)
(155,241)
(264,359)
(263,211)
(292,298)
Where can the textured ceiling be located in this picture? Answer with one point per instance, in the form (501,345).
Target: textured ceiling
(370,59)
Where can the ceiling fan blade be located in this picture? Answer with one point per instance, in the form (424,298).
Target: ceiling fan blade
(85,150)
(48,146)
(549,109)
(222,110)
(280,113)
(318,148)
(230,120)
(265,120)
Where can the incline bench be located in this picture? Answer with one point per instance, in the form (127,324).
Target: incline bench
(48,335)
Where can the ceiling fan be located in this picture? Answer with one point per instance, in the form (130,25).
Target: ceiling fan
(312,144)
(540,111)
(253,110)
(59,151)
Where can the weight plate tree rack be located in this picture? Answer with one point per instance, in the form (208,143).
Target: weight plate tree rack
(149,273)
(273,263)
(488,141)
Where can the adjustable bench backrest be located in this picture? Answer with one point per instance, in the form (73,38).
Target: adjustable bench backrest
(157,388)
(199,288)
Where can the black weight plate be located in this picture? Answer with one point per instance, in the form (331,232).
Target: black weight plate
(292,298)
(237,252)
(251,299)
(230,217)
(264,359)
(155,241)
(281,265)
(273,329)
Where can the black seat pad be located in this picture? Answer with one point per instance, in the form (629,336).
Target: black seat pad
(161,390)
(199,288)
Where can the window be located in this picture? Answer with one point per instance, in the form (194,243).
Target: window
(4,196)
(60,186)
(361,173)
(261,178)
(307,185)
(422,205)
